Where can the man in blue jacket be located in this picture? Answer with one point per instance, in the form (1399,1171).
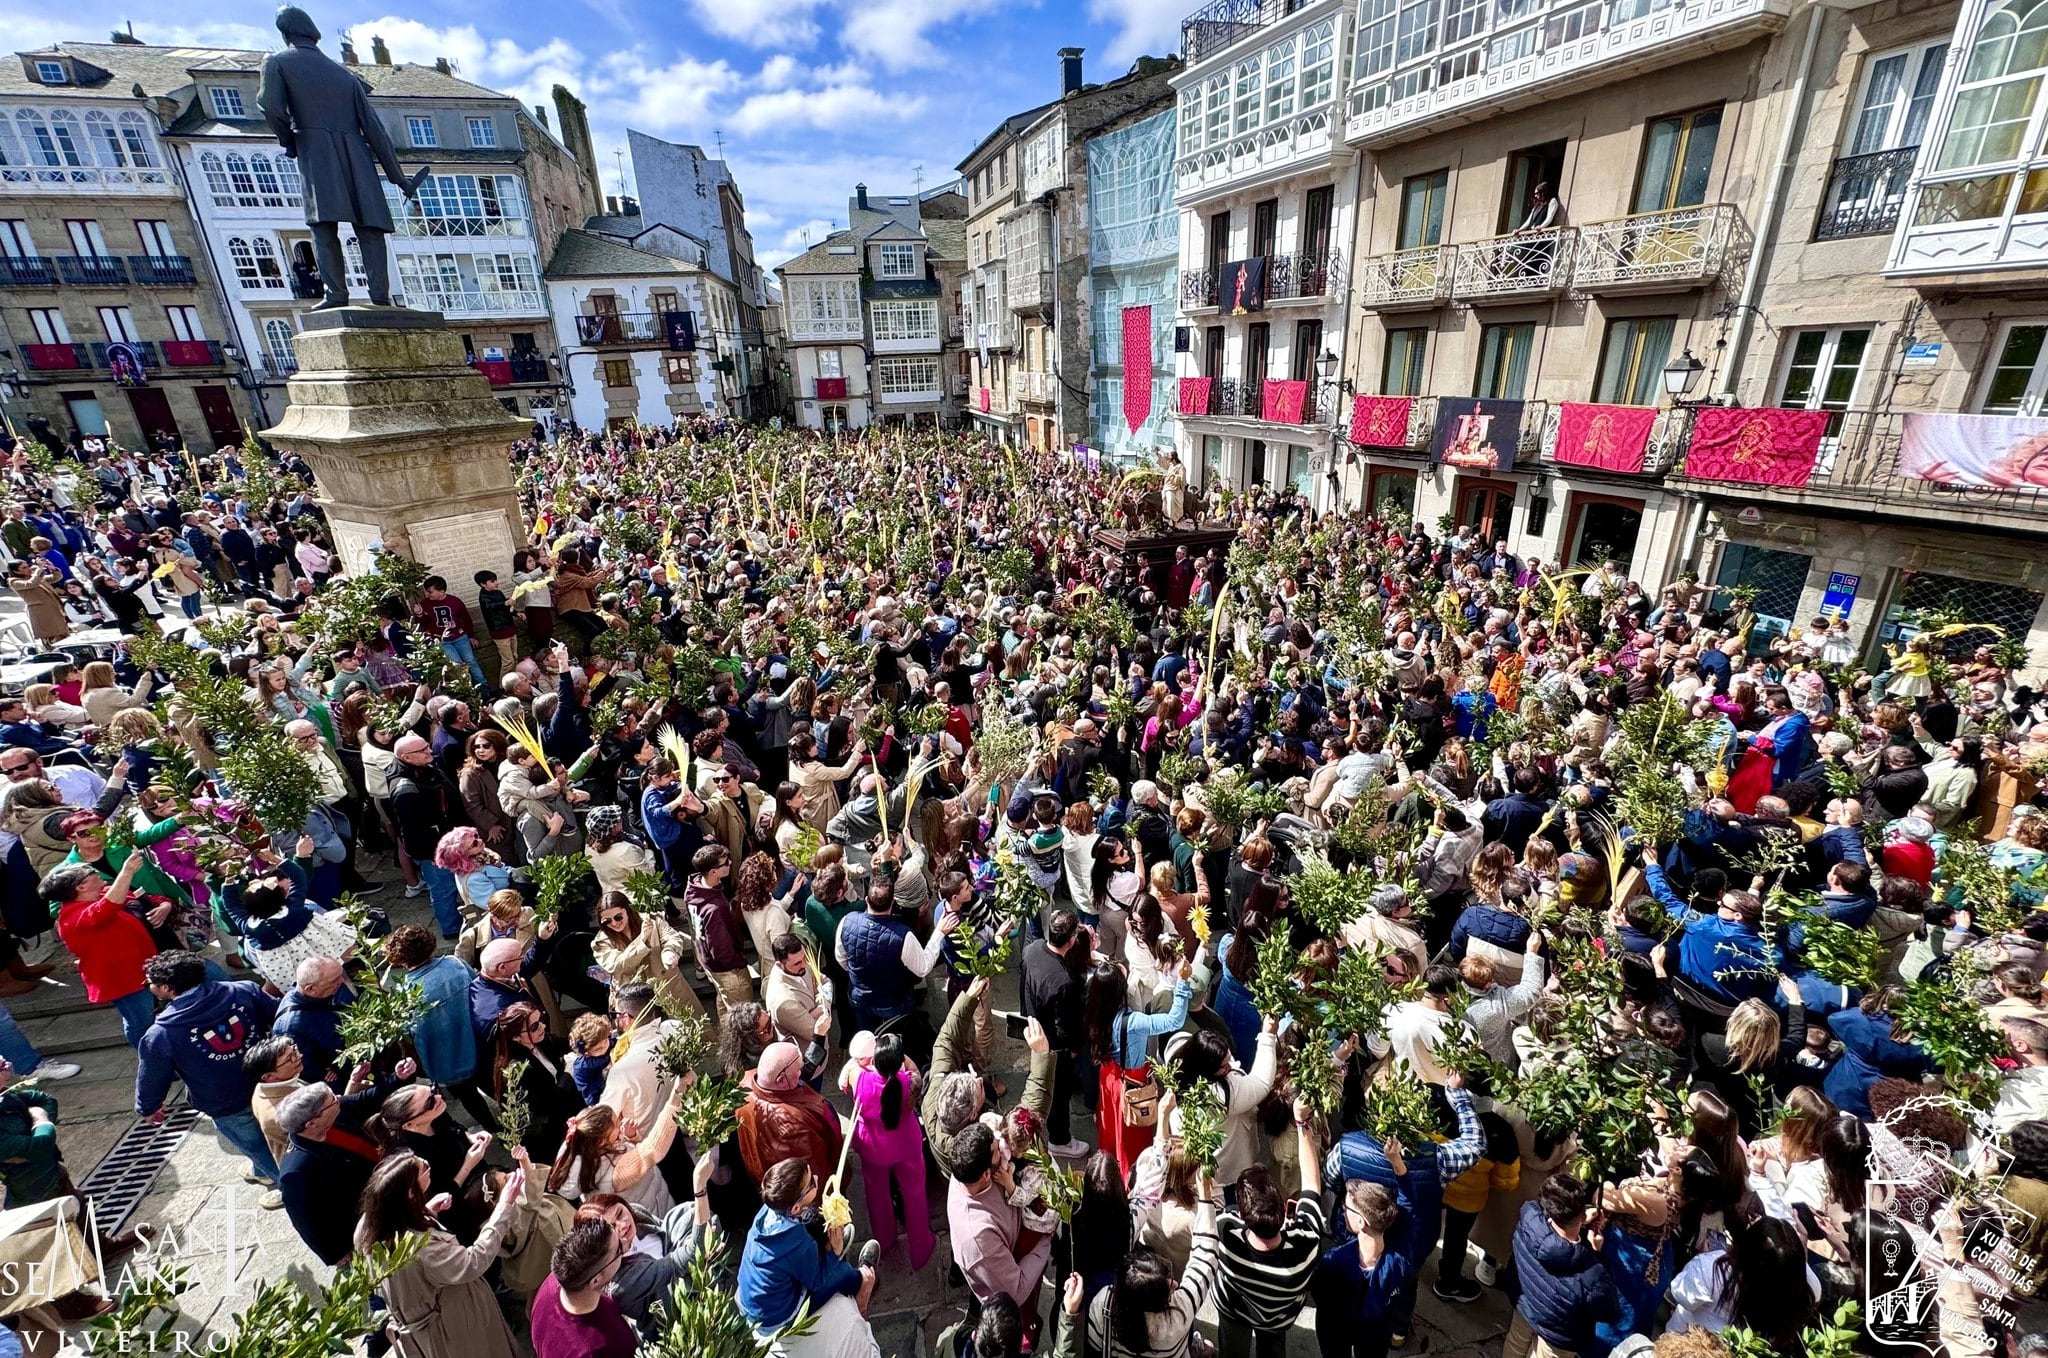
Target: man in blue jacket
(1565,1288)
(199,1037)
(782,1268)
(310,1015)
(1724,955)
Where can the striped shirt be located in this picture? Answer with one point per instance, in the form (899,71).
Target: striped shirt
(1267,1288)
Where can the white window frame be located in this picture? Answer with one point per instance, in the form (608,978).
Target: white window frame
(828,364)
(52,73)
(903,375)
(226,101)
(1824,367)
(88,241)
(896,319)
(483,133)
(419,130)
(185,324)
(2037,383)
(49,324)
(156,238)
(1917,58)
(15,241)
(898,259)
(117,323)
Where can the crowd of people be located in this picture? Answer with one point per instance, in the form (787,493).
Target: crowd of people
(1371,896)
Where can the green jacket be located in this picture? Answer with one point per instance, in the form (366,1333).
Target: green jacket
(150,880)
(949,1054)
(29,1164)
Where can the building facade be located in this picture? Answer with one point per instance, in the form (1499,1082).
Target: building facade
(110,310)
(1268,193)
(1133,262)
(993,175)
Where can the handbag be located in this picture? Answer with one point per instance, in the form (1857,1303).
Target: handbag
(1140,1096)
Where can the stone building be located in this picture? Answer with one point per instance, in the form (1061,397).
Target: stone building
(111,313)
(994,178)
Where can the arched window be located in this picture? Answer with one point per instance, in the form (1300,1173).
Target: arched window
(266,178)
(64,127)
(238,175)
(352,252)
(10,145)
(2000,86)
(105,140)
(216,179)
(35,131)
(244,262)
(135,136)
(288,177)
(277,339)
(269,270)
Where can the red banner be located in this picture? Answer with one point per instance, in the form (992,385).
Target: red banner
(1759,446)
(497,371)
(1194,395)
(1381,421)
(188,354)
(984,400)
(1137,365)
(1611,438)
(831,388)
(1281,402)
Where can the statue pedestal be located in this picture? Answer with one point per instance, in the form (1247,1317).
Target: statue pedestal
(407,442)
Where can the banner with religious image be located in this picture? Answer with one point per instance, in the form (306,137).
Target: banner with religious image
(1755,445)
(1475,434)
(1242,288)
(1975,450)
(1609,438)
(1381,421)
(1137,360)
(1281,402)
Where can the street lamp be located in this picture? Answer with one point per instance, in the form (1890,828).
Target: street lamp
(1681,375)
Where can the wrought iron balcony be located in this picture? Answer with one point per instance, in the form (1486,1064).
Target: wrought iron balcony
(1408,279)
(1532,264)
(1302,275)
(277,367)
(1664,449)
(1197,288)
(162,271)
(56,357)
(1421,423)
(530,368)
(1679,248)
(1218,25)
(27,271)
(621,327)
(91,271)
(1865,193)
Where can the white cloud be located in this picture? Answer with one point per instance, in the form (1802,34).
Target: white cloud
(1143,27)
(834,106)
(23,31)
(760,23)
(778,72)
(892,32)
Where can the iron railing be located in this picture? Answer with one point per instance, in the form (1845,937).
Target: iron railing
(56,357)
(1865,193)
(1420,277)
(277,367)
(1197,288)
(1678,247)
(27,271)
(91,271)
(162,271)
(146,348)
(1220,24)
(191,353)
(621,327)
(1290,277)
(1529,264)
(1661,452)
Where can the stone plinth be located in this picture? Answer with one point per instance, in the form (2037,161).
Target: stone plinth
(407,442)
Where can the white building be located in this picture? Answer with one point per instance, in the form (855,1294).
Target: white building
(639,320)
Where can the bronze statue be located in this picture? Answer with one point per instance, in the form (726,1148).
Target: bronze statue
(319,111)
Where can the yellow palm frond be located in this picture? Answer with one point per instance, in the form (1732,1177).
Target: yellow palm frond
(521,730)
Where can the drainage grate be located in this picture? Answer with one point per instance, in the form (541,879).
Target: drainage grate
(124,1178)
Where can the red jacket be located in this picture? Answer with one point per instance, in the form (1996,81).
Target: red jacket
(1909,858)
(110,944)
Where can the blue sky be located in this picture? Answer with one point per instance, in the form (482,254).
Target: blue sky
(810,95)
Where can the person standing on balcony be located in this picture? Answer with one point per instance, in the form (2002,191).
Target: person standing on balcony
(1532,259)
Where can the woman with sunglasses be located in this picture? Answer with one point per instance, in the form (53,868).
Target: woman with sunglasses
(629,946)
(415,1119)
(439,1305)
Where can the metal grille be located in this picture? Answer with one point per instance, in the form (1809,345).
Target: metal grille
(1778,578)
(2011,607)
(124,1178)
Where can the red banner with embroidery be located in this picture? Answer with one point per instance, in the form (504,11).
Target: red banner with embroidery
(1194,395)
(1611,438)
(1281,402)
(1381,421)
(1758,446)
(831,388)
(1137,365)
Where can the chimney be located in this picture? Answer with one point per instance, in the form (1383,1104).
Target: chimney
(860,196)
(629,206)
(1070,70)
(441,65)
(611,205)
(379,53)
(348,53)
(540,114)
